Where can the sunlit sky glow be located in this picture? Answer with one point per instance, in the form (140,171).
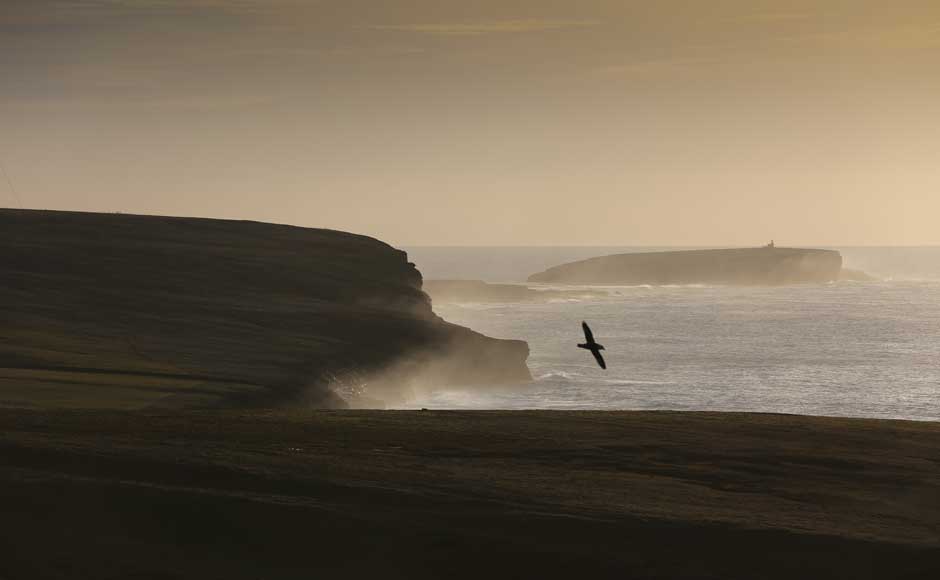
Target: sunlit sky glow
(602,122)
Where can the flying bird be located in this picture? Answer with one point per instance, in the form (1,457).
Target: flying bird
(592,346)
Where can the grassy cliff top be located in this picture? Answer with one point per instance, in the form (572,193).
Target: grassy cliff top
(129,311)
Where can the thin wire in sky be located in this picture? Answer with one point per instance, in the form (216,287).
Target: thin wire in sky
(16,196)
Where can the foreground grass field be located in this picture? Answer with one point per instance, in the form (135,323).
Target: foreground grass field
(224,494)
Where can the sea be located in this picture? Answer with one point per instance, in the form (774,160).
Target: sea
(848,349)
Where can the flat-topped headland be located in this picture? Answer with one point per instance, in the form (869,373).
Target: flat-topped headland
(127,311)
(738,266)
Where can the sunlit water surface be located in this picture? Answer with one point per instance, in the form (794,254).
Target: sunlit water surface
(843,349)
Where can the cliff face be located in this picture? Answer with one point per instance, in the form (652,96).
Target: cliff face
(745,266)
(130,311)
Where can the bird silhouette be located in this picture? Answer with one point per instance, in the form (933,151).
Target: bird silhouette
(592,346)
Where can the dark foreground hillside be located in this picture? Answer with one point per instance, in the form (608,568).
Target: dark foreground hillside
(123,311)
(359,494)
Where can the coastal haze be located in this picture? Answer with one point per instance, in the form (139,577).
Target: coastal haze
(528,122)
(293,289)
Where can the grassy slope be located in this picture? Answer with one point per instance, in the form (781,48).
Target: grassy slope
(465,494)
(103,310)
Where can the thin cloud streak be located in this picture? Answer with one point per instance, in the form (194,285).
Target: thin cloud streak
(654,66)
(48,12)
(484,28)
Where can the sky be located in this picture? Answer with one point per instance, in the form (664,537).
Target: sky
(492,122)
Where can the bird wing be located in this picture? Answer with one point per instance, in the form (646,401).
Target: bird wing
(600,359)
(587,332)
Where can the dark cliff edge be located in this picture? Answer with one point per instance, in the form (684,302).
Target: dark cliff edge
(740,266)
(127,311)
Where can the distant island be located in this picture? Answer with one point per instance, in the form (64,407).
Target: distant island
(768,265)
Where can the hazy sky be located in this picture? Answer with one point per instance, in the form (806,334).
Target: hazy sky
(488,121)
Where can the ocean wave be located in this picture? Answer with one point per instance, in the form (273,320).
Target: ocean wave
(633,382)
(592,290)
(557,375)
(911,279)
(477,306)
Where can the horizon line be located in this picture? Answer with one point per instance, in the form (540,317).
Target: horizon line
(703,246)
